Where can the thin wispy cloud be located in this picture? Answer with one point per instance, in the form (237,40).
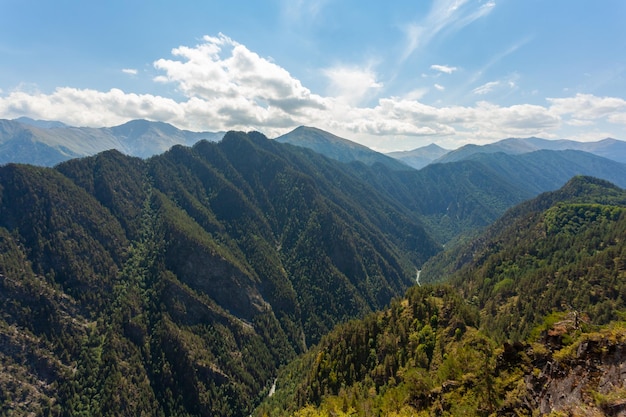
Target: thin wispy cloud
(130,71)
(295,11)
(486,88)
(472,15)
(443,68)
(445,16)
(497,58)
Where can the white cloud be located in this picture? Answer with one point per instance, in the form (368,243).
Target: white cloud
(444,68)
(587,106)
(439,87)
(221,68)
(618,118)
(89,107)
(129,71)
(506,84)
(522,117)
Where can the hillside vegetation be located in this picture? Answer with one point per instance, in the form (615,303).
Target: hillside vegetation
(180,285)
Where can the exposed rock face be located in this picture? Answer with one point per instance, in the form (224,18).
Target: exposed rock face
(587,378)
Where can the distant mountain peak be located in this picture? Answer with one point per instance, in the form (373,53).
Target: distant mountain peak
(420,157)
(338,148)
(42,124)
(433,146)
(141,126)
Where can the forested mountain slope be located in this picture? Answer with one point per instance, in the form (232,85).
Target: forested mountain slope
(177,285)
(561,250)
(531,323)
(458,198)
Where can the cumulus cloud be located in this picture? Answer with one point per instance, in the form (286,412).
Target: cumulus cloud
(579,123)
(443,68)
(618,118)
(439,87)
(522,117)
(351,84)
(221,68)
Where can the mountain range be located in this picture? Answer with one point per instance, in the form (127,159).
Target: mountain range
(185,283)
(607,148)
(47,143)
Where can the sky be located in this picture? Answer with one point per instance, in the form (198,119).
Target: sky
(393,75)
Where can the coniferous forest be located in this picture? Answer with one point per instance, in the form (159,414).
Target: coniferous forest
(254,277)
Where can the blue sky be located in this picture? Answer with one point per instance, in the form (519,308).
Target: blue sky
(390,75)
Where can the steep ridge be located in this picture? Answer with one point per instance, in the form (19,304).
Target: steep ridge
(179,284)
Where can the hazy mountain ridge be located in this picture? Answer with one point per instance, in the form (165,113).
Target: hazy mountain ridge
(607,148)
(545,170)
(47,143)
